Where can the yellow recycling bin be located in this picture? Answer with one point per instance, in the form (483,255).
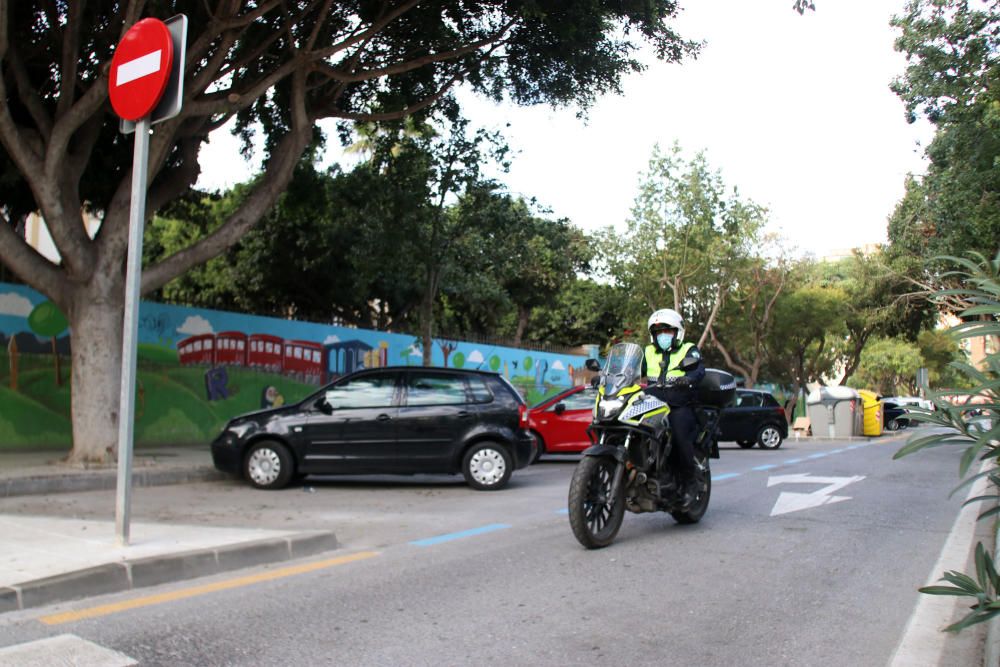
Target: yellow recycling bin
(872,420)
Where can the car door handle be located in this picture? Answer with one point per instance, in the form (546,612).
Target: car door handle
(383,418)
(463,414)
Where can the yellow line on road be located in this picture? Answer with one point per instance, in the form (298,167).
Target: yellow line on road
(106,609)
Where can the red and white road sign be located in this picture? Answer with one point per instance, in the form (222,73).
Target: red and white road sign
(140,69)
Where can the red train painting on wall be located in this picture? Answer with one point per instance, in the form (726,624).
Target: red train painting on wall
(303,360)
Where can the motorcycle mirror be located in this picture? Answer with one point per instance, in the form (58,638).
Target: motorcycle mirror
(595,381)
(592,365)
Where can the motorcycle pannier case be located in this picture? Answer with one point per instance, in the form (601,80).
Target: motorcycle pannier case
(717,388)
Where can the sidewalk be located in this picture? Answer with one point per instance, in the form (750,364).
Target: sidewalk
(44,560)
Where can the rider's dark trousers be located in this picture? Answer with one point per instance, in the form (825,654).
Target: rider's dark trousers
(684,425)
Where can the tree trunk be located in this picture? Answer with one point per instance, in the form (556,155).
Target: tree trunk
(522,323)
(12,358)
(55,355)
(427,326)
(96,321)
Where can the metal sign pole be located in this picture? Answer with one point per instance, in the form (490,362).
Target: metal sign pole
(133,273)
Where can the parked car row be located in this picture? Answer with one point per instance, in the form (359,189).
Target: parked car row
(409,420)
(560,422)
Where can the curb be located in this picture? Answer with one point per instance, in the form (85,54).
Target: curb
(156,570)
(103,480)
(991,655)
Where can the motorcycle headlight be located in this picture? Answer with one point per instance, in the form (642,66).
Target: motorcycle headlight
(609,408)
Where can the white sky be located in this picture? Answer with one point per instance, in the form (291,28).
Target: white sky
(794,110)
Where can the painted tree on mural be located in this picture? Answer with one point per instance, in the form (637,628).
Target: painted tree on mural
(46,321)
(276,69)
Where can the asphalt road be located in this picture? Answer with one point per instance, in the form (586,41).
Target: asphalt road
(443,575)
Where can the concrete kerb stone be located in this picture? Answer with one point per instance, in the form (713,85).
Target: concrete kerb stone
(104,480)
(155,570)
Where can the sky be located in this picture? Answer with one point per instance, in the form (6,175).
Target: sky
(793,110)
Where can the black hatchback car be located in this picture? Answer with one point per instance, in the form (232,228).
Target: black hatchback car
(396,420)
(755,418)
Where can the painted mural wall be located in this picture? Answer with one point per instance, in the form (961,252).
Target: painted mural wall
(198,368)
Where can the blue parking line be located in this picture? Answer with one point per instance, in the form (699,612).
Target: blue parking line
(817,456)
(562,511)
(836,451)
(728,475)
(457,536)
(790,461)
(766,467)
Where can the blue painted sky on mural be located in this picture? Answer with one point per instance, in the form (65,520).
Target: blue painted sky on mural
(166,325)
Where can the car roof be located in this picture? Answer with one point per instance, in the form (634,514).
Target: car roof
(468,371)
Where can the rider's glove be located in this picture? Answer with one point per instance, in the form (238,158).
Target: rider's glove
(681,381)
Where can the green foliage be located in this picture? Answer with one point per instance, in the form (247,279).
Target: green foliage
(951,76)
(979,439)
(888,365)
(688,234)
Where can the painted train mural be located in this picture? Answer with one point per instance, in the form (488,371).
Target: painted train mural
(301,359)
(198,367)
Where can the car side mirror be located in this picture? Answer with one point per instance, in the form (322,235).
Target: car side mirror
(689,363)
(323,406)
(560,408)
(592,365)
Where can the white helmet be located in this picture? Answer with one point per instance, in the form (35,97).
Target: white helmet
(666,317)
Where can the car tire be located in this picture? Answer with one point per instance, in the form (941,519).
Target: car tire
(487,466)
(892,425)
(268,465)
(769,437)
(746,444)
(541,447)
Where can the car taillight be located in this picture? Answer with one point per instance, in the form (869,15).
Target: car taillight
(522,412)
(781,411)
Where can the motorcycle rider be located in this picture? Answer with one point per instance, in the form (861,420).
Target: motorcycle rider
(662,360)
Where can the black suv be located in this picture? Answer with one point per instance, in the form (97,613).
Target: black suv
(755,418)
(397,420)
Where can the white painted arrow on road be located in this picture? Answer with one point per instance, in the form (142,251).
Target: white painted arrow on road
(793,502)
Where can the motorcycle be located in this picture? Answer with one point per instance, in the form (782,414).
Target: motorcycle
(626,467)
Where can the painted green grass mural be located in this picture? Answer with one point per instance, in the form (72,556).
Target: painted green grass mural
(171,403)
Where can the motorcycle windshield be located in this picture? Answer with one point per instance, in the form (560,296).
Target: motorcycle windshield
(622,369)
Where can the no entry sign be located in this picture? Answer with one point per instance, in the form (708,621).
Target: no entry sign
(140,69)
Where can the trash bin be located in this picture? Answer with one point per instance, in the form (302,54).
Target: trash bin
(834,412)
(872,421)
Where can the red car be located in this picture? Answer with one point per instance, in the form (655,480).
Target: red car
(561,422)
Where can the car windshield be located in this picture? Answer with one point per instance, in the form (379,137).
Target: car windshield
(622,369)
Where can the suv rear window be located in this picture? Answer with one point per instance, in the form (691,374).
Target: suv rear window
(770,401)
(478,390)
(514,392)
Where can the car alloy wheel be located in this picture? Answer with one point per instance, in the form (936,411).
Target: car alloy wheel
(769,437)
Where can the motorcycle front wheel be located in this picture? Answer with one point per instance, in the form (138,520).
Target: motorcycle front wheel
(593,514)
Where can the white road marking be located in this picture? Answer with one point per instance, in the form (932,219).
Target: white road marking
(793,502)
(138,68)
(62,650)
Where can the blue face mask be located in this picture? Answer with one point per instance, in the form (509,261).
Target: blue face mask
(664,340)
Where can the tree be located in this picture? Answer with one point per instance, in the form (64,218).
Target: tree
(528,260)
(746,323)
(953,64)
(272,67)
(808,331)
(687,235)
(888,364)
